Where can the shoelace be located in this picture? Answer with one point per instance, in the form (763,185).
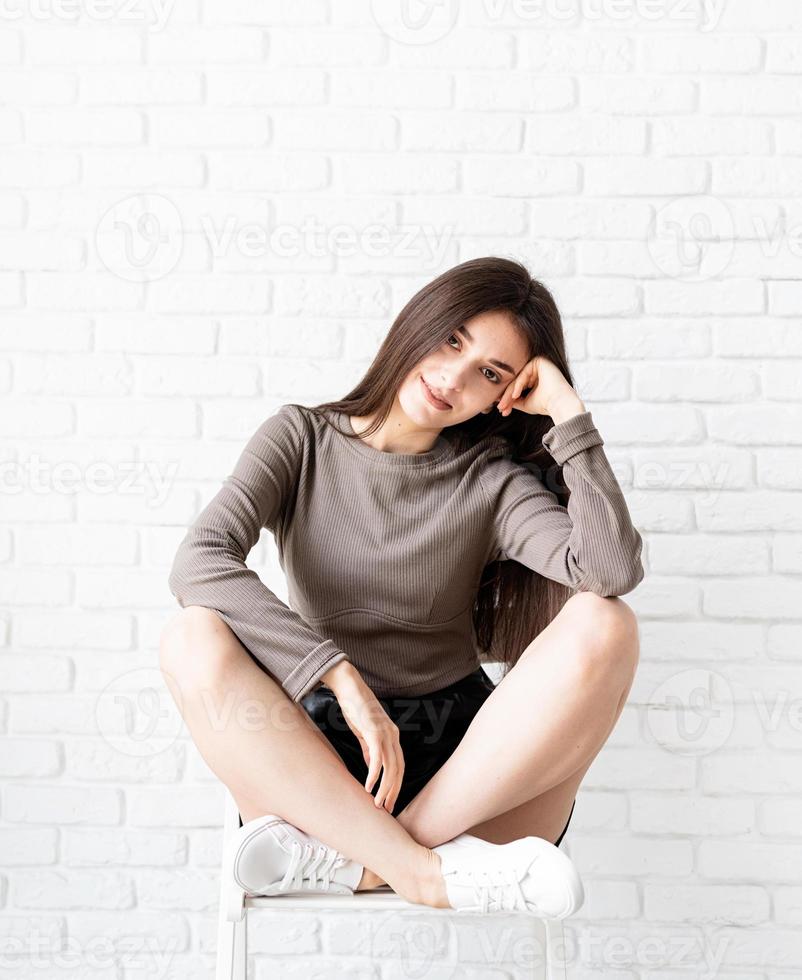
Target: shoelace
(497,890)
(310,867)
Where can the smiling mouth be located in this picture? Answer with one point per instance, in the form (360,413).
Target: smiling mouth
(437,402)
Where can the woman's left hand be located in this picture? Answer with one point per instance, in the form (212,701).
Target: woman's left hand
(547,385)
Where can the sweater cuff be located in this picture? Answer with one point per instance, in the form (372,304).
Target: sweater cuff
(570,437)
(310,670)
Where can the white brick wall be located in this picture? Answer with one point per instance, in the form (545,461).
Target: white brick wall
(644,160)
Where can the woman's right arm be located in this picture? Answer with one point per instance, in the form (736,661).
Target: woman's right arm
(377,734)
(209,567)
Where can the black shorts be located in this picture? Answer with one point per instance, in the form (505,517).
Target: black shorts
(430,728)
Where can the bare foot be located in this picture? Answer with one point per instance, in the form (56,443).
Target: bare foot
(431,891)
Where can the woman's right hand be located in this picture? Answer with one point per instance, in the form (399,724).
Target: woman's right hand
(377,733)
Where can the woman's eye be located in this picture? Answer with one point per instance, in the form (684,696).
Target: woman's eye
(495,379)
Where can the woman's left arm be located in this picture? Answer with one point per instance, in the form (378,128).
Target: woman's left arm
(592,545)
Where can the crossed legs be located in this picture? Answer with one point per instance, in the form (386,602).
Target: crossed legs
(518,768)
(531,742)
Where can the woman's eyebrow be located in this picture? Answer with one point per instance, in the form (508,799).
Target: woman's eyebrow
(493,361)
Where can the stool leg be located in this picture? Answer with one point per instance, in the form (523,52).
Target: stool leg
(232,928)
(554,935)
(232,949)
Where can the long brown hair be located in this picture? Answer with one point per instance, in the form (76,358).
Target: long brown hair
(513,603)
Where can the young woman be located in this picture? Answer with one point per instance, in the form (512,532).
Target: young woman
(457,501)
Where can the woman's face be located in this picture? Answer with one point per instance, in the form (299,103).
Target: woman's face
(466,371)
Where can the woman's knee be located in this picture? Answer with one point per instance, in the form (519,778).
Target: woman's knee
(607,633)
(196,646)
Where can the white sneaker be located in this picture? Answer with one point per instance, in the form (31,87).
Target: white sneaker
(268,856)
(526,875)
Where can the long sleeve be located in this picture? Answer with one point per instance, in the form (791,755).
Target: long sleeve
(209,567)
(590,546)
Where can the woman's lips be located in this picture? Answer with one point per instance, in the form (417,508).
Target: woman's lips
(443,406)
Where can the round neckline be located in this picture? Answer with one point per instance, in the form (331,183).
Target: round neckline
(440,449)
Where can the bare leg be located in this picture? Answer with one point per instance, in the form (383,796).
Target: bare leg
(274,759)
(537,733)
(545,816)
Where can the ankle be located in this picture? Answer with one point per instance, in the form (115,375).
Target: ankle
(431,886)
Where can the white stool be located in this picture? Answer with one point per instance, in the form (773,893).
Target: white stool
(232,933)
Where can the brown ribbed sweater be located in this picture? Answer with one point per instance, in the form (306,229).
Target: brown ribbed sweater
(383,552)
